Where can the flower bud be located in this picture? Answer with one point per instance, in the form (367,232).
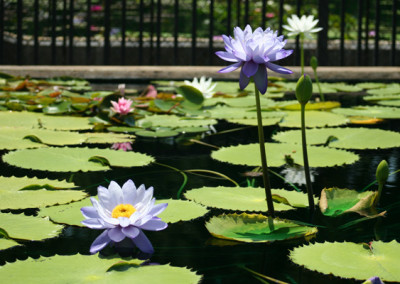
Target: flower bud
(304,89)
(382,172)
(314,63)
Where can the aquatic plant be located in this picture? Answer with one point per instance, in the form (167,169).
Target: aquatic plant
(122,107)
(314,66)
(124,213)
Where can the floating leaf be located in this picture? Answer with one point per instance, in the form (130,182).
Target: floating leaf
(174,121)
(370,111)
(6,244)
(38,120)
(370,85)
(350,260)
(250,155)
(224,112)
(393,103)
(346,138)
(313,119)
(254,122)
(123,129)
(157,134)
(245,198)
(256,228)
(313,106)
(92,268)
(20,193)
(249,101)
(337,201)
(74,159)
(23,227)
(177,210)
(389,90)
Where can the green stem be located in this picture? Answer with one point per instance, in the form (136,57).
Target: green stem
(380,187)
(261,141)
(213,172)
(302,53)
(305,159)
(178,195)
(322,96)
(281,177)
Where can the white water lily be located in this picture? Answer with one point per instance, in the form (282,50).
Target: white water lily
(203,85)
(304,25)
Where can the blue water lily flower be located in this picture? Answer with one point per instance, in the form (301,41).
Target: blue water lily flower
(254,52)
(123,213)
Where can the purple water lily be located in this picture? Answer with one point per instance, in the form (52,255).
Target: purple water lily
(254,52)
(123,213)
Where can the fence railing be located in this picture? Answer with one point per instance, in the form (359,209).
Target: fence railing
(187,32)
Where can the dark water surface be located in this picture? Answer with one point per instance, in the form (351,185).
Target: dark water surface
(189,244)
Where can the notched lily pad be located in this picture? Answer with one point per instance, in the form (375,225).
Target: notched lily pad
(173,121)
(337,201)
(256,228)
(351,260)
(313,119)
(74,159)
(370,111)
(92,268)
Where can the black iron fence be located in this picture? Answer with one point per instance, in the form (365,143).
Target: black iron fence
(188,32)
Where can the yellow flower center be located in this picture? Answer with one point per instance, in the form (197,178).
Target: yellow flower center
(123,210)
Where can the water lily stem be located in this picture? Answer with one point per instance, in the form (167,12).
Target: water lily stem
(319,86)
(305,159)
(378,197)
(261,141)
(302,53)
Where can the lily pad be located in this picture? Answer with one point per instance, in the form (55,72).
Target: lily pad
(253,122)
(345,138)
(74,159)
(370,85)
(256,228)
(157,134)
(19,193)
(21,227)
(6,244)
(38,120)
(313,119)
(224,112)
(370,111)
(250,155)
(245,198)
(177,210)
(351,260)
(17,138)
(389,90)
(313,106)
(337,201)
(92,268)
(174,121)
(392,103)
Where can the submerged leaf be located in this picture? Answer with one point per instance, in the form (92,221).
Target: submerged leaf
(351,260)
(256,228)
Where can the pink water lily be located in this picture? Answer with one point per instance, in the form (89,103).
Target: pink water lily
(123,106)
(254,52)
(123,213)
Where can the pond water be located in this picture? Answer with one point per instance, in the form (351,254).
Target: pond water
(189,244)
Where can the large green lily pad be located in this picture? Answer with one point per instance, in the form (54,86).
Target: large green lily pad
(75,159)
(177,210)
(370,111)
(250,155)
(256,228)
(21,137)
(254,122)
(313,119)
(337,201)
(245,198)
(39,120)
(6,244)
(351,260)
(21,227)
(19,193)
(224,112)
(392,103)
(173,121)
(92,268)
(345,138)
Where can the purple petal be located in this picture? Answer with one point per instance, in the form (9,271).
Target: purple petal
(243,80)
(124,222)
(250,68)
(129,192)
(278,69)
(89,212)
(115,193)
(280,54)
(154,225)
(230,68)
(131,232)
(143,243)
(226,56)
(100,242)
(116,234)
(93,224)
(157,209)
(261,79)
